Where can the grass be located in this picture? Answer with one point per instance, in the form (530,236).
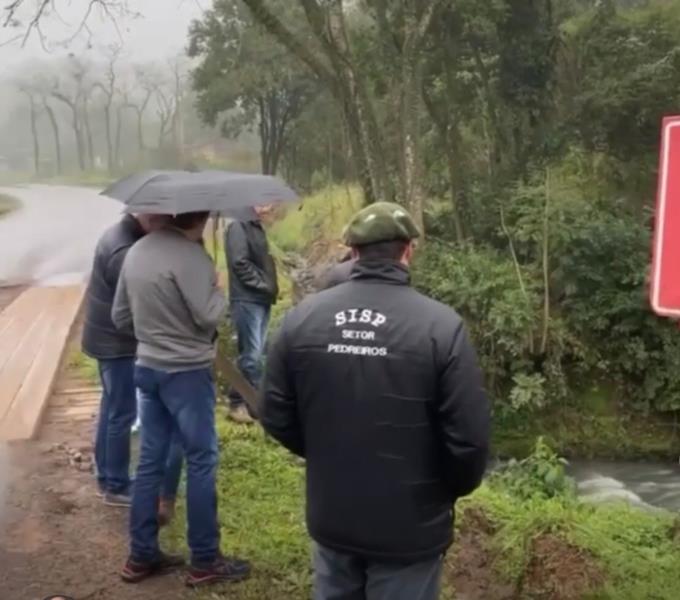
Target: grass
(260,487)
(261,500)
(637,552)
(320,216)
(85,366)
(7,204)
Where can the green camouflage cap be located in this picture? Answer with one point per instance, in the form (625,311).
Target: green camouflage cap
(380,222)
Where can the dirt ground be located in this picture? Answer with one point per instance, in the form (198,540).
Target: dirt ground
(56,536)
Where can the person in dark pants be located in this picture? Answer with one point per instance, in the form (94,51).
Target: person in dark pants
(253,289)
(168,295)
(378,387)
(115,355)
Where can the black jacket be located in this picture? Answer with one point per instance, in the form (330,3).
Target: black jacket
(252,270)
(335,275)
(101,339)
(379,388)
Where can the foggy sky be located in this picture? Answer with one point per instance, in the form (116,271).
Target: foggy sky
(159,32)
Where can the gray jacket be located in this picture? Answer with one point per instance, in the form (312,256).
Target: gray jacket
(168,295)
(101,339)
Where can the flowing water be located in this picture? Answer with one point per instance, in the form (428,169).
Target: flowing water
(639,483)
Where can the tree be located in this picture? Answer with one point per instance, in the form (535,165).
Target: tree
(55,132)
(25,16)
(74,93)
(244,80)
(108,88)
(30,94)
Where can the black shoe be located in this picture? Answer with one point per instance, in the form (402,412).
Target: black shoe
(135,572)
(223,570)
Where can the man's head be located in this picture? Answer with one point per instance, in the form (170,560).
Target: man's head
(264,211)
(382,231)
(151,223)
(192,224)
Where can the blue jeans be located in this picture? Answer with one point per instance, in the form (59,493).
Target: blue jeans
(117,413)
(180,404)
(173,468)
(250,320)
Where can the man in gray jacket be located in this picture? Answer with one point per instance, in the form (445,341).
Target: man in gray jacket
(168,295)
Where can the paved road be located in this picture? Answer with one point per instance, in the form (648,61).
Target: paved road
(51,238)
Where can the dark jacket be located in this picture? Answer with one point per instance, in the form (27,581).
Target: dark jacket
(379,388)
(252,270)
(337,274)
(101,339)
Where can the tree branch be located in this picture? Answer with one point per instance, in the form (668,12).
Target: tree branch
(275,27)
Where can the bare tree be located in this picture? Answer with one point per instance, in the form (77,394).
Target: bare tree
(25,16)
(74,93)
(30,94)
(54,123)
(108,89)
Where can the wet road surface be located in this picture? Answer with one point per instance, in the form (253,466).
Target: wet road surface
(50,239)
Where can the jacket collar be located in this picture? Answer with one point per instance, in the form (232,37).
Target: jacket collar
(384,271)
(133,226)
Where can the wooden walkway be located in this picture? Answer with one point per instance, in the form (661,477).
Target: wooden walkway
(34,331)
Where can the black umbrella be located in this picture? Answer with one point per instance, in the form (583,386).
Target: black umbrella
(176,192)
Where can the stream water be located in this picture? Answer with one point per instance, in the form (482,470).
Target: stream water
(639,483)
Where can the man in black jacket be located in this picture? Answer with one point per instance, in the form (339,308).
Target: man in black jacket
(378,387)
(253,289)
(115,355)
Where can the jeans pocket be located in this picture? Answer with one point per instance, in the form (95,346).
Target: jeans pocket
(143,379)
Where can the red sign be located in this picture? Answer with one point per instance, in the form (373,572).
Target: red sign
(665,284)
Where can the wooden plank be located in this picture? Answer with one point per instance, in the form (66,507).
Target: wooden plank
(71,410)
(38,362)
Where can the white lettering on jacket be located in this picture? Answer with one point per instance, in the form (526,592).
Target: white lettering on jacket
(364,316)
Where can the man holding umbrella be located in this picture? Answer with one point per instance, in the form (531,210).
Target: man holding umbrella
(169,297)
(115,355)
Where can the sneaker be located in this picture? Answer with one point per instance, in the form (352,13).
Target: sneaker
(118,500)
(241,415)
(223,570)
(134,572)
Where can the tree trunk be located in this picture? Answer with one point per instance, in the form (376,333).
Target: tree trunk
(35,136)
(412,192)
(55,130)
(119,135)
(453,167)
(109,140)
(88,134)
(263,127)
(80,146)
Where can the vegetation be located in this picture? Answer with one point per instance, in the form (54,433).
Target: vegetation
(526,520)
(525,137)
